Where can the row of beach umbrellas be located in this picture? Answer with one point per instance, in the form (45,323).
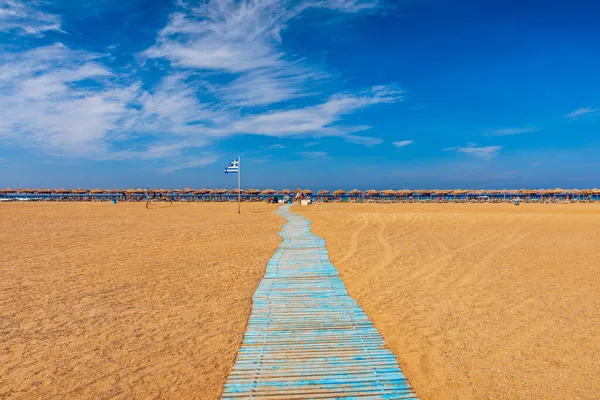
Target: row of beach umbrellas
(308,192)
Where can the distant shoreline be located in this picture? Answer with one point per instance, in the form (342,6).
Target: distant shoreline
(252,195)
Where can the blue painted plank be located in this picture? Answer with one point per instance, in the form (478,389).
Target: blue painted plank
(307,338)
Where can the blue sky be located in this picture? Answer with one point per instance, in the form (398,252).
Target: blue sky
(313,93)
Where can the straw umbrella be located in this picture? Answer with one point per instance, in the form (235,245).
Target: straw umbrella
(442,193)
(323,193)
(267,192)
(389,193)
(252,192)
(355,193)
(372,193)
(338,193)
(285,191)
(404,193)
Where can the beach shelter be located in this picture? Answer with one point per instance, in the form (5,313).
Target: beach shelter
(339,193)
(355,193)
(323,193)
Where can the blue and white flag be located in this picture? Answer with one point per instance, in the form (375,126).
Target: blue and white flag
(233,167)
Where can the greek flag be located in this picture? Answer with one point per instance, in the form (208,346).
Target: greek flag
(233,167)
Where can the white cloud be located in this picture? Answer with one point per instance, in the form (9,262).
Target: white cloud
(46,103)
(363,140)
(318,120)
(243,41)
(580,112)
(22,19)
(190,162)
(402,143)
(227,66)
(510,131)
(472,149)
(313,154)
(276,146)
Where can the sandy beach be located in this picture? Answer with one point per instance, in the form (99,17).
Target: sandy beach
(477,301)
(105,301)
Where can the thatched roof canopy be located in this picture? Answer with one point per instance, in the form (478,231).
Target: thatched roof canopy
(252,191)
(79,191)
(404,192)
(98,191)
(307,192)
(61,191)
(323,192)
(372,192)
(7,190)
(297,190)
(388,192)
(26,190)
(355,192)
(43,191)
(339,192)
(201,191)
(268,192)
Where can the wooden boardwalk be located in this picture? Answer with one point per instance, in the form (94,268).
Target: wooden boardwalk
(307,338)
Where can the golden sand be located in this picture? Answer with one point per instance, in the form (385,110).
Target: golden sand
(477,301)
(116,301)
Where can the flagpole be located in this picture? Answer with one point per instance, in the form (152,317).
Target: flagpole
(239,178)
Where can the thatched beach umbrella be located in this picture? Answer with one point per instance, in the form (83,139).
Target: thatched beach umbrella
(372,193)
(307,192)
(202,191)
(7,190)
(267,192)
(79,191)
(297,191)
(339,193)
(44,191)
(285,191)
(389,193)
(322,193)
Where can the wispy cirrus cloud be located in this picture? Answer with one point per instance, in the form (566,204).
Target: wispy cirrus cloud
(510,131)
(403,143)
(472,149)
(583,111)
(313,154)
(26,19)
(201,160)
(222,71)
